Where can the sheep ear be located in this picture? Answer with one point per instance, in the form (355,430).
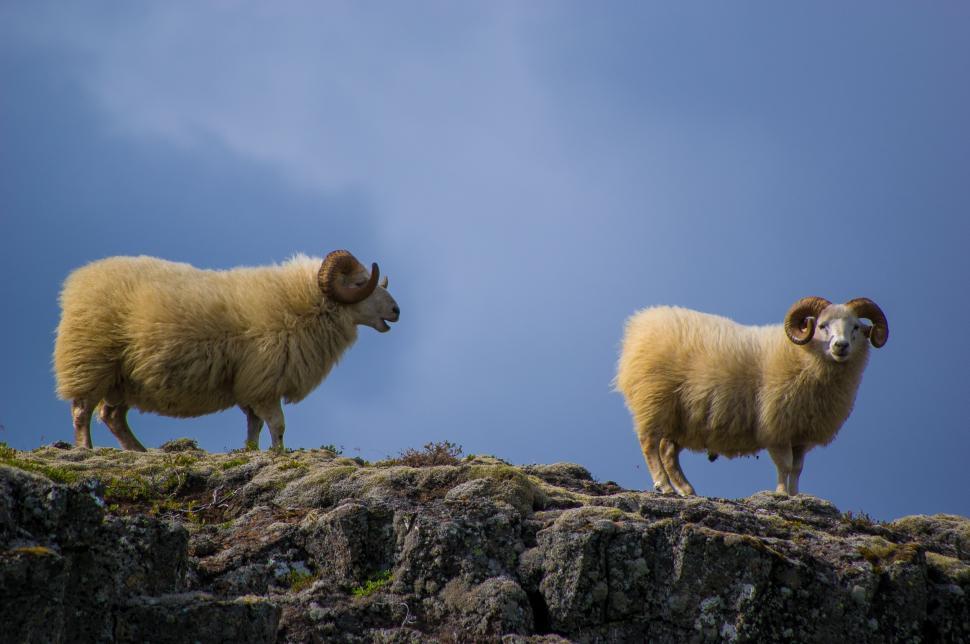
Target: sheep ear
(383,283)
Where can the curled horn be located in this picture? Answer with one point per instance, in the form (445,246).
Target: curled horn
(801,318)
(338,263)
(863,307)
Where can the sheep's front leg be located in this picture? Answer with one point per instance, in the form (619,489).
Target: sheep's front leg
(272,413)
(254,425)
(81,411)
(797,461)
(782,456)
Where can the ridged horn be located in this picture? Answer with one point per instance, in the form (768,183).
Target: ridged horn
(801,318)
(337,264)
(865,308)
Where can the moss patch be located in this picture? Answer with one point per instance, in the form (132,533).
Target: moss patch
(372,585)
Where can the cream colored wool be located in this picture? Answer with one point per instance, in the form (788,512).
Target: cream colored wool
(705,383)
(172,339)
(169,338)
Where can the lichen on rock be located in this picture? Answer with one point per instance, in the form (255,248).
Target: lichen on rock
(177,544)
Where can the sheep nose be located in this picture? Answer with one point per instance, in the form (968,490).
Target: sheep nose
(841,344)
(397,311)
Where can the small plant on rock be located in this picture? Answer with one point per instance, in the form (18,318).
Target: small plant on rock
(373,584)
(441,453)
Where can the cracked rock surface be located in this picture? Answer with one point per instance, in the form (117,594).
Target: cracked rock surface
(181,545)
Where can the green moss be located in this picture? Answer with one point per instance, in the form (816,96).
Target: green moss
(879,552)
(949,567)
(7,452)
(291,465)
(233,462)
(373,584)
(298,581)
(11,457)
(331,475)
(181,460)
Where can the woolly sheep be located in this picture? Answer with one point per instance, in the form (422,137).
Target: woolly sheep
(172,339)
(703,382)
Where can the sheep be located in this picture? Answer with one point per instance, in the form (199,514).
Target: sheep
(703,382)
(175,340)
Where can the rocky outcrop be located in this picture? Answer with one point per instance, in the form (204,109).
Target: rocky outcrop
(307,546)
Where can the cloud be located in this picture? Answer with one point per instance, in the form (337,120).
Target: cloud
(530,175)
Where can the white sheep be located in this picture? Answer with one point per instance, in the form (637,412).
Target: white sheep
(703,382)
(179,341)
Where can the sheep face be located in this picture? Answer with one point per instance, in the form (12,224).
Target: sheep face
(377,309)
(840,333)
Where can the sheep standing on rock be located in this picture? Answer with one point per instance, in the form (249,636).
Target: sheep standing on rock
(179,341)
(703,382)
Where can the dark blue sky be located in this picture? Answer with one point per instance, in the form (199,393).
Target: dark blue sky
(528,176)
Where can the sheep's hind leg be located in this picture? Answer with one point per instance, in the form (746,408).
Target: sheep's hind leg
(782,456)
(115,417)
(81,411)
(670,457)
(272,413)
(797,461)
(650,444)
(254,425)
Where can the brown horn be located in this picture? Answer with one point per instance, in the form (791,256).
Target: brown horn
(342,262)
(863,307)
(801,318)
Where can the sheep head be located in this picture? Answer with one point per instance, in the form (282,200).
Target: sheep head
(838,326)
(345,280)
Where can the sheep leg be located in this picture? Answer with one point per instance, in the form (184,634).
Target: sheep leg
(797,461)
(115,417)
(670,457)
(254,425)
(782,456)
(81,411)
(650,445)
(272,413)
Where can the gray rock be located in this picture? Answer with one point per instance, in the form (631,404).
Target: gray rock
(311,547)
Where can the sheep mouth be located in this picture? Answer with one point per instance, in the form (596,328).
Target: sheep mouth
(383,326)
(840,355)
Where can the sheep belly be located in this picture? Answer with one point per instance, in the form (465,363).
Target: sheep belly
(718,422)
(179,379)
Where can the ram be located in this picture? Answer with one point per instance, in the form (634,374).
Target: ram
(172,339)
(705,383)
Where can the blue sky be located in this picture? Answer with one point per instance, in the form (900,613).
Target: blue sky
(528,175)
